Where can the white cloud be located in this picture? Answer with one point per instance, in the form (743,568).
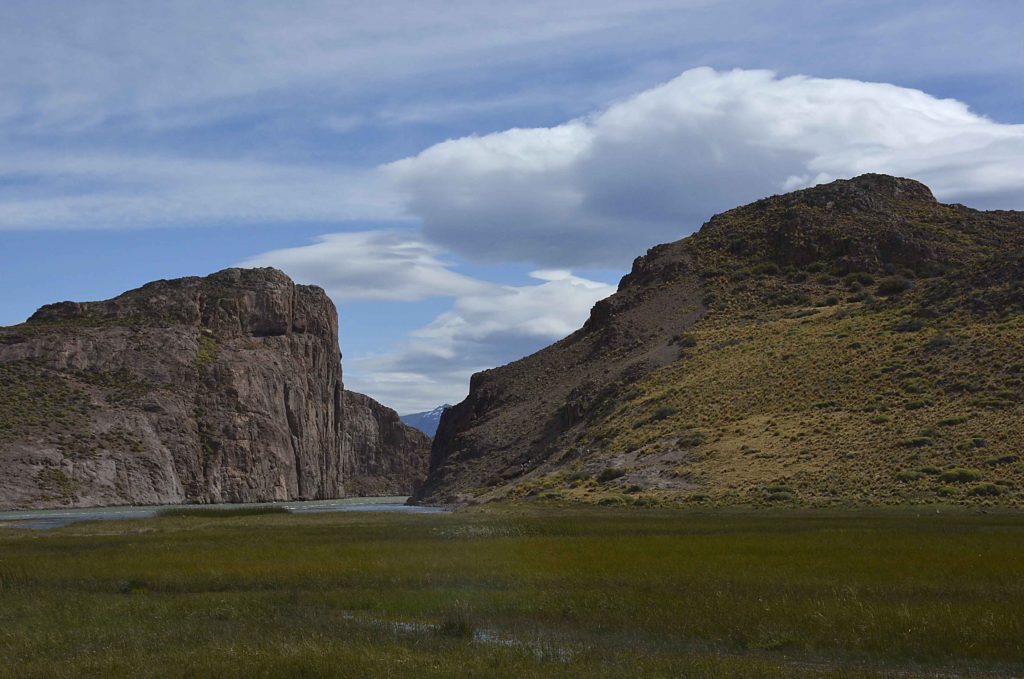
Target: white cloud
(599,190)
(271,88)
(489,327)
(381,265)
(551,310)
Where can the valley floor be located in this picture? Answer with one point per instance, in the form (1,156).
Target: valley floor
(519,591)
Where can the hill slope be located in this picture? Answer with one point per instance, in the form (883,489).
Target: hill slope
(856,342)
(219,389)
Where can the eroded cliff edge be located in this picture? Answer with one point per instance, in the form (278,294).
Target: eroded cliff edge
(226,388)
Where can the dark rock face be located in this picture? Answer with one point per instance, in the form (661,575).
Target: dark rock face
(516,417)
(219,389)
(383,456)
(835,246)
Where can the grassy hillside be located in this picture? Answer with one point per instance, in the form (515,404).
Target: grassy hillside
(838,403)
(854,343)
(518,593)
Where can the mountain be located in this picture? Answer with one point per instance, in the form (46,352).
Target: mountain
(426,421)
(852,343)
(226,388)
(383,455)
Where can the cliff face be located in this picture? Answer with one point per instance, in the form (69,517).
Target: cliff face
(383,456)
(852,342)
(219,389)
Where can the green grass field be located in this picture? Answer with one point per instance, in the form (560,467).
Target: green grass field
(520,591)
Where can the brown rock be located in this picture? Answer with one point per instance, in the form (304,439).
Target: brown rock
(219,389)
(382,455)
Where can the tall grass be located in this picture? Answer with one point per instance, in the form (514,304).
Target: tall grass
(514,592)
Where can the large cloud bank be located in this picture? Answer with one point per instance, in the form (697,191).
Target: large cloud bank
(600,189)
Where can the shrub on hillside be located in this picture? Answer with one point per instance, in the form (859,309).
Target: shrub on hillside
(960,475)
(893,285)
(684,341)
(908,325)
(663,413)
(610,474)
(985,489)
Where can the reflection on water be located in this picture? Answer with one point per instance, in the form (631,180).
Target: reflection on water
(55,518)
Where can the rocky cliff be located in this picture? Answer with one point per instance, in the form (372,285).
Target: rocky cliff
(219,389)
(856,342)
(383,456)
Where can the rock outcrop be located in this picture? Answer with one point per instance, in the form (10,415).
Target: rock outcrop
(383,456)
(848,343)
(226,388)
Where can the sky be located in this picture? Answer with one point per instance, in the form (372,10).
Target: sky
(465,179)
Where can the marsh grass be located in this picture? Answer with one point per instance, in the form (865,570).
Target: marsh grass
(458,621)
(518,592)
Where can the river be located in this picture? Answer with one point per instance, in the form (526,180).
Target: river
(55,518)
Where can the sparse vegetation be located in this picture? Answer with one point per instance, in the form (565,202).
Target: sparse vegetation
(207,351)
(917,409)
(34,398)
(54,484)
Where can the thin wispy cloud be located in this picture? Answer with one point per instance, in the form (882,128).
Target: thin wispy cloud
(103,191)
(92,62)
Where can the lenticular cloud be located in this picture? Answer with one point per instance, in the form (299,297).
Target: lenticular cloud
(651,168)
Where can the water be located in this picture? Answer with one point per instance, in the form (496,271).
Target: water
(55,518)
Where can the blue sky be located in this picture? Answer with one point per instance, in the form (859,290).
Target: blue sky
(465,178)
